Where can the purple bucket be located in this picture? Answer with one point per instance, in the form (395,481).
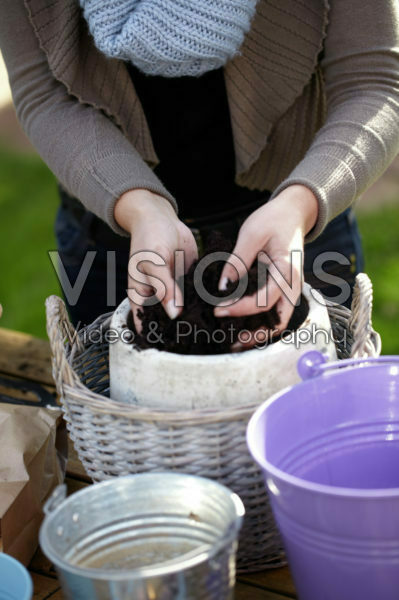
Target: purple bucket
(329,450)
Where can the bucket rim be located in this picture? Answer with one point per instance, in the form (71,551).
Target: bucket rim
(299,482)
(22,572)
(147,571)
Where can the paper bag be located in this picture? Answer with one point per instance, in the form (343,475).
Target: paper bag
(30,468)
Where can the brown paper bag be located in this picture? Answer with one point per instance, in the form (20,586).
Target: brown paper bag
(32,463)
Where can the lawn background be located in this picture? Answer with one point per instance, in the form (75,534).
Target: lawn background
(28,203)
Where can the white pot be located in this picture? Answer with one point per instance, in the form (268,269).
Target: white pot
(165,380)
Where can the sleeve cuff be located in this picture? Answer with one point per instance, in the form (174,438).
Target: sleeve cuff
(332,182)
(112,176)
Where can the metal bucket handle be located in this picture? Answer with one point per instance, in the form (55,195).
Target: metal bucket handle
(314,364)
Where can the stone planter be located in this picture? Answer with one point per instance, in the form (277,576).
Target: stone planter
(164,380)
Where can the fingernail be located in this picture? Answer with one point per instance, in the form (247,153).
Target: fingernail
(171,310)
(223,284)
(237,346)
(224,303)
(221,312)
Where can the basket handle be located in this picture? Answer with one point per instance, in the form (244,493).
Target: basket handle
(60,332)
(366,341)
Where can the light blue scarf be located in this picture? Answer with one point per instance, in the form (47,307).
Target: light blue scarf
(171,38)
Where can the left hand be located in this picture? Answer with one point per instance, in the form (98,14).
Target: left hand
(277,228)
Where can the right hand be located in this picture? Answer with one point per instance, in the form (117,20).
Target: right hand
(154,227)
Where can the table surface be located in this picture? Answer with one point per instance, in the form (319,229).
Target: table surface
(23,357)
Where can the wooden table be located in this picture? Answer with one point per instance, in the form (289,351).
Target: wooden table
(27,358)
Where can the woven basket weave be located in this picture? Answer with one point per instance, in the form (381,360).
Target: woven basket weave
(114,439)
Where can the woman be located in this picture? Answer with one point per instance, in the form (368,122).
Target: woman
(165,119)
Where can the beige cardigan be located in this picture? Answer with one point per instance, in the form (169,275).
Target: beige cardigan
(331,123)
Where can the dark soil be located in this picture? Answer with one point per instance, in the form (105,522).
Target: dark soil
(197,330)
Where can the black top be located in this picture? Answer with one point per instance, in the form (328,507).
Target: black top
(189,121)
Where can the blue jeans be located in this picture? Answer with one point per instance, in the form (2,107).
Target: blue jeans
(336,253)
(105,287)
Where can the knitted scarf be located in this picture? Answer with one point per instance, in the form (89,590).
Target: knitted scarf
(171,38)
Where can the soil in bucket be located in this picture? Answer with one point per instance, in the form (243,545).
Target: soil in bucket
(203,332)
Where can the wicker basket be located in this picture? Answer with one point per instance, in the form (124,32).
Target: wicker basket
(114,439)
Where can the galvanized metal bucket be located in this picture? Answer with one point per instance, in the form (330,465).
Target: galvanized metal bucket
(155,536)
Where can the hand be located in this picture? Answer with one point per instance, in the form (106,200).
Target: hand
(154,227)
(277,228)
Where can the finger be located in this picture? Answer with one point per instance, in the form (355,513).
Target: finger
(262,301)
(249,339)
(190,256)
(287,275)
(169,293)
(139,285)
(182,262)
(240,260)
(190,248)
(154,268)
(283,280)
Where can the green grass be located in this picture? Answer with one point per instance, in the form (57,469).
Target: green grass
(380,233)
(28,202)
